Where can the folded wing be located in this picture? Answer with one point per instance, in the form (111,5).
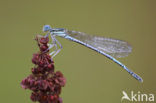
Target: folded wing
(114,47)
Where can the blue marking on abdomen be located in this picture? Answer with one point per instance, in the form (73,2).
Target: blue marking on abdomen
(107,55)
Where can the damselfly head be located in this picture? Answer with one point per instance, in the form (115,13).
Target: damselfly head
(46,28)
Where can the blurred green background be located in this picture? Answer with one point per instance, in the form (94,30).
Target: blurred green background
(91,77)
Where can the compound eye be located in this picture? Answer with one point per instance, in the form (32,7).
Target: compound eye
(46,28)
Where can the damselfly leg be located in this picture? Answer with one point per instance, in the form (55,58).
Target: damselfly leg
(54,43)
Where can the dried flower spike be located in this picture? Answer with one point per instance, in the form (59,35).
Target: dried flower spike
(44,82)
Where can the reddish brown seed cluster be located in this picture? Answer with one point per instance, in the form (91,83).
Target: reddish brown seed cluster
(44,82)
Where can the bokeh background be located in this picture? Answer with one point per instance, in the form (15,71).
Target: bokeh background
(91,77)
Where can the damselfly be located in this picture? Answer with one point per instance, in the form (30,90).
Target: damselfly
(108,47)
